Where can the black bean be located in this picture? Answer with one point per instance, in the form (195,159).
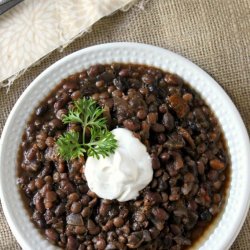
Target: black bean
(74,219)
(90,247)
(139,216)
(154,232)
(31,154)
(124,73)
(72,243)
(107,76)
(124,212)
(161,138)
(131,125)
(104,95)
(152,198)
(93,202)
(118,221)
(108,225)
(76,95)
(152,118)
(175,194)
(164,156)
(56,124)
(122,239)
(163,108)
(41,110)
(92,228)
(67,186)
(158,128)
(217,164)
(86,212)
(52,235)
(59,104)
(93,71)
(50,196)
(82,247)
(39,182)
(217,185)
(179,105)
(73,197)
(113,212)
(206,215)
(76,207)
(95,96)
(104,209)
(172,79)
(187,97)
(50,141)
(51,101)
(135,240)
(168,121)
(141,114)
(155,161)
(100,84)
(217,198)
(160,214)
(111,89)
(85,200)
(100,244)
(60,209)
(119,84)
(143,91)
(38,124)
(117,93)
(148,79)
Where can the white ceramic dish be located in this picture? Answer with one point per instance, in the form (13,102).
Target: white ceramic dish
(228,226)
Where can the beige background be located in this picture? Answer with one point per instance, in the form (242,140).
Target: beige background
(215,34)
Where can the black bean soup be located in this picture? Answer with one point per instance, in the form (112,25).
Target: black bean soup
(183,137)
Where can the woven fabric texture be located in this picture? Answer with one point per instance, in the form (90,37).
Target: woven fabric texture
(40,26)
(215,34)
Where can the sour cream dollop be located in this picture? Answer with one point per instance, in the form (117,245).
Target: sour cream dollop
(123,174)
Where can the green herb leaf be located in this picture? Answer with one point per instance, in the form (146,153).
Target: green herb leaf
(102,143)
(69,146)
(89,115)
(73,116)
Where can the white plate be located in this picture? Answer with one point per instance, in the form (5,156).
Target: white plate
(226,230)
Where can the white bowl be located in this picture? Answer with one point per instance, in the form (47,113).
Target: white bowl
(222,235)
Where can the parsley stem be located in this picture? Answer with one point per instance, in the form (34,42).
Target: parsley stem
(83,135)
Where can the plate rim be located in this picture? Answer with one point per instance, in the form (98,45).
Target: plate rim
(68,58)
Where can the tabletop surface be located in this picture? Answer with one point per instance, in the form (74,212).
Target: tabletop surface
(213,34)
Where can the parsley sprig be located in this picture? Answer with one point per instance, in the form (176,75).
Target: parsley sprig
(89,115)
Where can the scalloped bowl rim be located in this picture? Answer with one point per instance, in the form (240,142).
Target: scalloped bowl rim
(236,208)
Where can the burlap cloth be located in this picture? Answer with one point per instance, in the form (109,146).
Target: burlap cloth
(215,34)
